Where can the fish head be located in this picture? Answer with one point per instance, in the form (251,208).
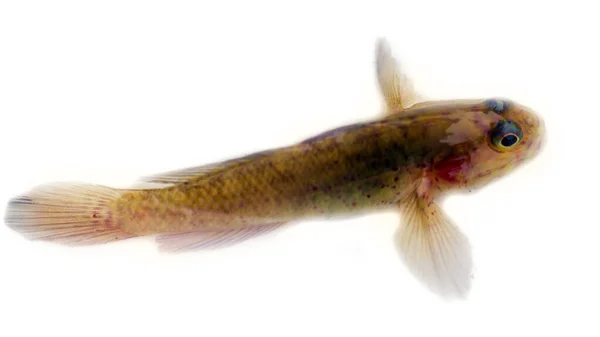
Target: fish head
(489,139)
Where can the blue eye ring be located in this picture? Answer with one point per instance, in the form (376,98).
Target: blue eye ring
(498,106)
(505,135)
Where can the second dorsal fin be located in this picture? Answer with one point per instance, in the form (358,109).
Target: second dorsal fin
(192,173)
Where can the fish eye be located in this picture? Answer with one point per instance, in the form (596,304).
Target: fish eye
(505,135)
(498,106)
(509,140)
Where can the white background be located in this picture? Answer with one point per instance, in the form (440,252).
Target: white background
(107,91)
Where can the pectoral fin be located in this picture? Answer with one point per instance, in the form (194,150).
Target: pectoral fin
(396,88)
(433,248)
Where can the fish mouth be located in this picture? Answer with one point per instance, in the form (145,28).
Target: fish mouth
(539,145)
(544,137)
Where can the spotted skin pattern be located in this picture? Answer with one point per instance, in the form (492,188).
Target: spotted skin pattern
(369,166)
(405,160)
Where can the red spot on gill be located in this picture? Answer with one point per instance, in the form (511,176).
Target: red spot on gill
(450,169)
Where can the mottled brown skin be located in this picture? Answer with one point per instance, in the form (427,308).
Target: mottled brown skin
(354,169)
(404,161)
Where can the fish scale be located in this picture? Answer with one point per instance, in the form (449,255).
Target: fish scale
(363,166)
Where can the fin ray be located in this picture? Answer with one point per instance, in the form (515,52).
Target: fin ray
(435,251)
(397,89)
(183,175)
(66,213)
(191,241)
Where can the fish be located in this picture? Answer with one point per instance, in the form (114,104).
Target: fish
(406,159)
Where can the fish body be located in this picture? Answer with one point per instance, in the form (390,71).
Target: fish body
(361,168)
(405,160)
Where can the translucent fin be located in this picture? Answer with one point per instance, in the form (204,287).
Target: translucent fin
(333,133)
(396,88)
(425,104)
(434,249)
(190,241)
(180,176)
(145,185)
(73,214)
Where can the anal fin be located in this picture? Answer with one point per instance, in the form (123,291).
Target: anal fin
(191,241)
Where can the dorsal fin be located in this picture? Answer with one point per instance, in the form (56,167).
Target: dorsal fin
(395,86)
(333,132)
(192,173)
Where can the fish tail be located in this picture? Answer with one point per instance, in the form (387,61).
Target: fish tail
(73,214)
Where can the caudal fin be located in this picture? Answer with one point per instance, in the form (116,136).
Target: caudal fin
(73,214)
